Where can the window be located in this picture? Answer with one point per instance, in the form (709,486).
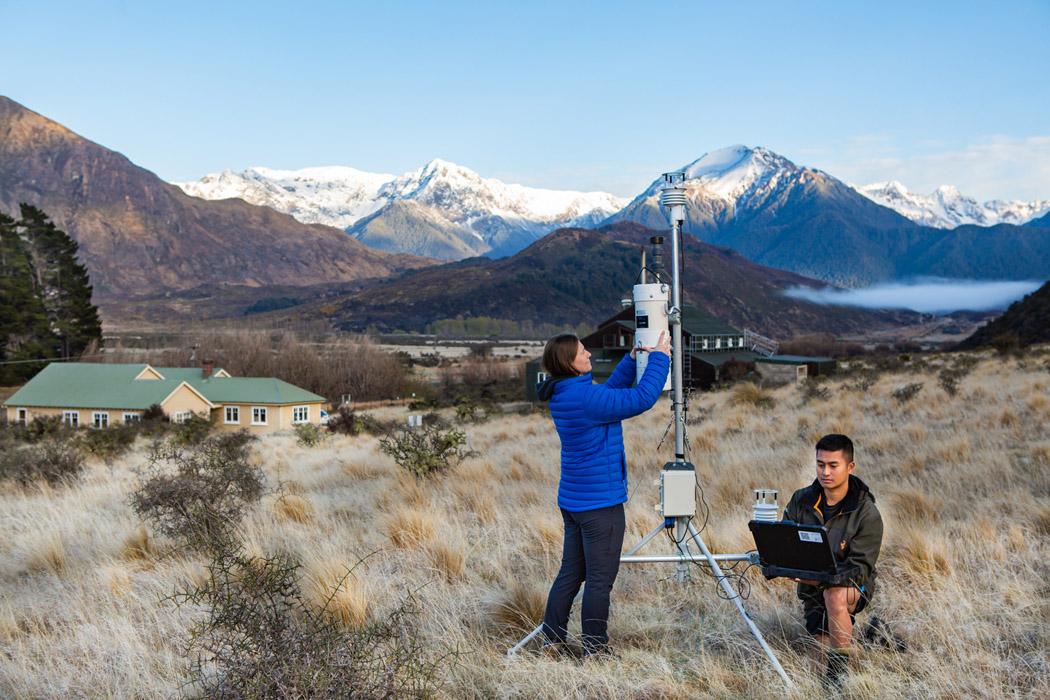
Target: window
(181,416)
(541,376)
(21,416)
(258,415)
(100,419)
(71,418)
(132,418)
(233,415)
(301,414)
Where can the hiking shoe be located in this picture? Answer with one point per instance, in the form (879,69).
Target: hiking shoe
(838,668)
(878,633)
(602,653)
(560,650)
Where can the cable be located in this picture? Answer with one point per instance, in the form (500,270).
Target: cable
(738,581)
(652,272)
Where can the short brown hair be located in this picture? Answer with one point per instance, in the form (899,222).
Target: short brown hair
(560,353)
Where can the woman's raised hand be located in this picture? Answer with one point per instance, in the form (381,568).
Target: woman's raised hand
(664,343)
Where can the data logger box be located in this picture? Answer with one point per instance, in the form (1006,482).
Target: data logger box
(677,490)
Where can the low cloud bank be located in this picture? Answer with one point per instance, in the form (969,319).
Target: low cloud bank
(932,296)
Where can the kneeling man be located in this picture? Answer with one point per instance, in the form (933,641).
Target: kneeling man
(844,505)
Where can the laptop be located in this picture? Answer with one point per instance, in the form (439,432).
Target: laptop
(800,551)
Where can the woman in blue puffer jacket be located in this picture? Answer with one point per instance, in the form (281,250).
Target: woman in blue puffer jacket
(593,485)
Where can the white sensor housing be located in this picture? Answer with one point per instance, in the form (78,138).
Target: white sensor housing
(650,320)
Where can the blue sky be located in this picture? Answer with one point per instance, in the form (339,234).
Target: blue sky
(584,95)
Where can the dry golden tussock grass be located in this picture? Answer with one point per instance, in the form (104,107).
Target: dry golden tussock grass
(750,395)
(336,589)
(293,507)
(409,526)
(1041,519)
(448,556)
(139,545)
(519,606)
(962,483)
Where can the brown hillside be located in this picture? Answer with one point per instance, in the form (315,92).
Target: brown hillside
(575,276)
(140,235)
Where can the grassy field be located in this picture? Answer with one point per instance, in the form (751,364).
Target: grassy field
(963,483)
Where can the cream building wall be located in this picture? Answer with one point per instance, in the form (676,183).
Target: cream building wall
(116,415)
(185,399)
(278,417)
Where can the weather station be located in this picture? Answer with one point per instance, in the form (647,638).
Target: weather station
(658,309)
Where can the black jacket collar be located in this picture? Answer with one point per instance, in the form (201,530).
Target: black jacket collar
(814,494)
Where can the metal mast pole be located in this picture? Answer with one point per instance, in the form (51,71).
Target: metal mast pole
(673,197)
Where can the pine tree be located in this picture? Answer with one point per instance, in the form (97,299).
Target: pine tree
(64,283)
(45,296)
(24,330)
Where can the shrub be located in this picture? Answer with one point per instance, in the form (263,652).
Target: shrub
(909,347)
(1006,343)
(433,418)
(734,370)
(865,379)
(207,493)
(814,390)
(907,392)
(748,394)
(108,442)
(44,428)
(480,349)
(260,639)
(949,378)
(346,422)
(854,350)
(153,413)
(309,435)
(467,410)
(49,460)
(190,432)
(427,450)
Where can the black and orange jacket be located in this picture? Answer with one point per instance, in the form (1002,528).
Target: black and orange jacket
(855,533)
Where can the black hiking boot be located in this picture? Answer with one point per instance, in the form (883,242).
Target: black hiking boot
(838,668)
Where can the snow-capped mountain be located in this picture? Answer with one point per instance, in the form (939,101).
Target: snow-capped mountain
(719,185)
(948,208)
(335,196)
(453,203)
(782,215)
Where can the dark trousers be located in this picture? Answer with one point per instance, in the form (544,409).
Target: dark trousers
(591,554)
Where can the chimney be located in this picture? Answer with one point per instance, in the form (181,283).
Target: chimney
(206,367)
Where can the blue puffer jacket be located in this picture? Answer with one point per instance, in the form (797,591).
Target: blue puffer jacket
(587,416)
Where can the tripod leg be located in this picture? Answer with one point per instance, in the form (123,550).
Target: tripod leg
(517,647)
(739,606)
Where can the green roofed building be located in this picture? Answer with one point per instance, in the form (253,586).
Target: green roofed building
(711,346)
(714,350)
(97,395)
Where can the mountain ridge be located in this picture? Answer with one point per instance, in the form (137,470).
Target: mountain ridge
(578,276)
(140,235)
(503,217)
(948,208)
